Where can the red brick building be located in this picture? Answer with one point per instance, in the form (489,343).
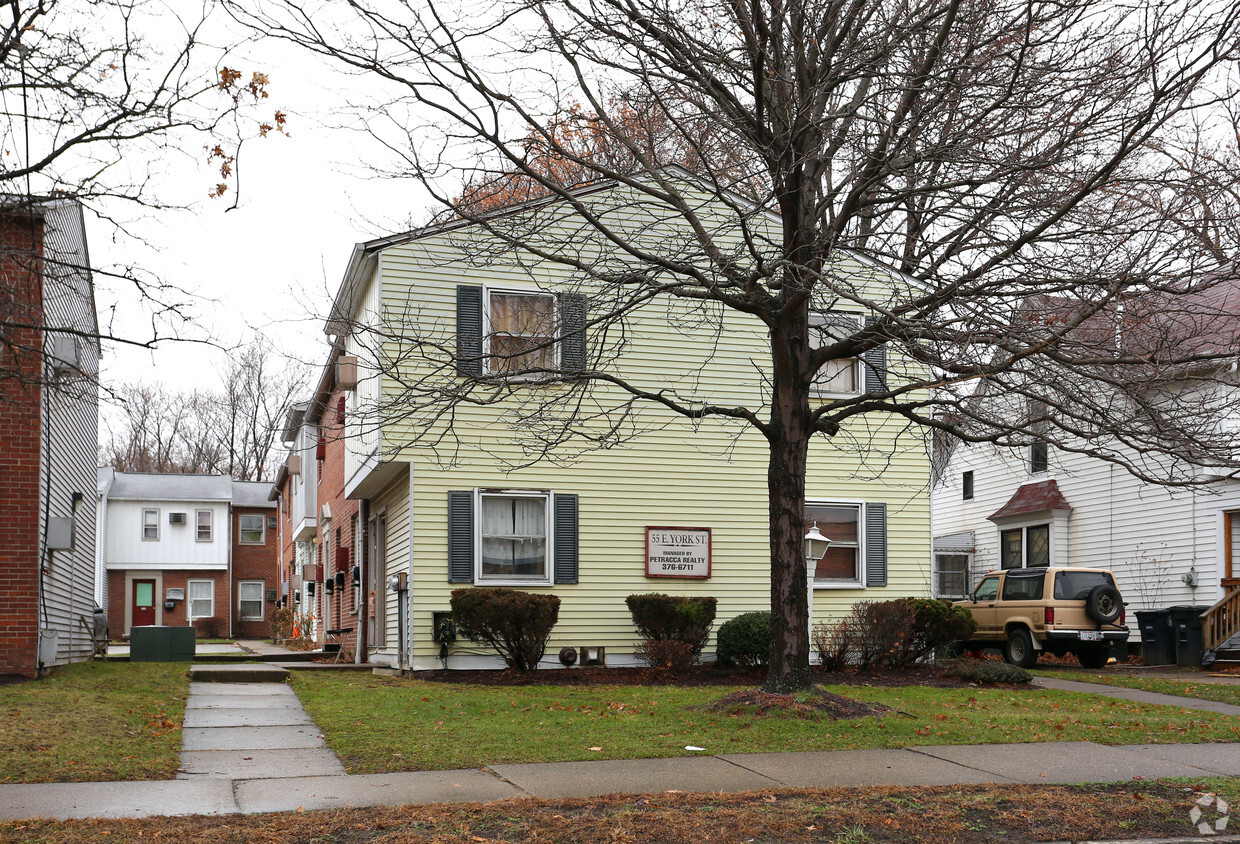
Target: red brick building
(199,550)
(49,356)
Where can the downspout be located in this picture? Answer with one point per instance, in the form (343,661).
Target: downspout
(230,568)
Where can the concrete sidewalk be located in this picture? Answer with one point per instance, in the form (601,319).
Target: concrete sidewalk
(233,764)
(1056,762)
(1137,695)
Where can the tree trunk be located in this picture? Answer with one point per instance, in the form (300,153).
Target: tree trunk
(788,438)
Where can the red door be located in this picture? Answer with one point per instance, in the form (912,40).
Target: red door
(143,603)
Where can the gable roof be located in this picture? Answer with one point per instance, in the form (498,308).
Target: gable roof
(251,494)
(1039,497)
(142,486)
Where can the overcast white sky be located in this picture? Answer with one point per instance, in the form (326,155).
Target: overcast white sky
(269,265)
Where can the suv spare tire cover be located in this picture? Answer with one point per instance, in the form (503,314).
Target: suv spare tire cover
(1103,604)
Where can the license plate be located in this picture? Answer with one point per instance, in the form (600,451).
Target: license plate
(1090,636)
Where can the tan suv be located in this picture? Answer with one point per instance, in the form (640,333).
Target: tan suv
(1057,610)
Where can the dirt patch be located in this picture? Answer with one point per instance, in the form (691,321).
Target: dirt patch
(960,814)
(702,675)
(807,705)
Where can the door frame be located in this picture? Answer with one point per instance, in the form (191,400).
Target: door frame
(130,577)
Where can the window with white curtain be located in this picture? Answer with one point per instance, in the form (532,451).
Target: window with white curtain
(513,532)
(201,598)
(204,525)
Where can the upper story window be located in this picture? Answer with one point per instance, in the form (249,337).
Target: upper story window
(251,529)
(1038,458)
(204,523)
(966,483)
(521,332)
(514,531)
(150,525)
(841,376)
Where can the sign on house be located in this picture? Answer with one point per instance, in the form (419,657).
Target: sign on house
(173,594)
(677,552)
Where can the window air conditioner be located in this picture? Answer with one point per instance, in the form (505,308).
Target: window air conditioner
(176,518)
(346,372)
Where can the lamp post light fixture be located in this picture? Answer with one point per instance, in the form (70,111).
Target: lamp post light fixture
(816,546)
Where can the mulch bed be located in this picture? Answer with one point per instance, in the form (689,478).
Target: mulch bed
(818,703)
(703,675)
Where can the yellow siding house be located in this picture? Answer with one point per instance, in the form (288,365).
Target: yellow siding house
(486,487)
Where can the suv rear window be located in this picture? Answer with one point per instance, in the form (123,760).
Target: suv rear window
(1023,587)
(1075,585)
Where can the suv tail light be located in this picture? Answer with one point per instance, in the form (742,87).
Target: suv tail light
(1050,615)
(1123,616)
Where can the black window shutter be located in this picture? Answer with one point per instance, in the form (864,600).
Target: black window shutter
(566,539)
(875,367)
(875,544)
(469,330)
(573,332)
(461,537)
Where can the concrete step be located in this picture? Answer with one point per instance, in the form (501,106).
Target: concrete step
(256,672)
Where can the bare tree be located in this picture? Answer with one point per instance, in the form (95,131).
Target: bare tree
(1053,185)
(99,97)
(230,431)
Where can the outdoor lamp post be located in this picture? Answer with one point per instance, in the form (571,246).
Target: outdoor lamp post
(816,546)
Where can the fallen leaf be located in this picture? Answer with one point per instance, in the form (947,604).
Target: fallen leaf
(596,748)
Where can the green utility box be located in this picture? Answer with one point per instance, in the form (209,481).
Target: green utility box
(160,643)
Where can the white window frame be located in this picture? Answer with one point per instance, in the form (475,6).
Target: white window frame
(145,524)
(844,583)
(487,292)
(241,517)
(241,599)
(818,321)
(210,537)
(1024,527)
(548,577)
(189,599)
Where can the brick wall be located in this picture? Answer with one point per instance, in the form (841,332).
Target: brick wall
(346,602)
(255,562)
(20,431)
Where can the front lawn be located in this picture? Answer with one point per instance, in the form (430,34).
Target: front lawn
(94,721)
(377,724)
(1182,687)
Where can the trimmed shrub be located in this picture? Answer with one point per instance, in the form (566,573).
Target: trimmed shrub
(665,653)
(882,633)
(834,644)
(937,624)
(516,624)
(673,618)
(208,628)
(985,671)
(746,639)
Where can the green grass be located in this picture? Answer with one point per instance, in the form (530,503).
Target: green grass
(1221,692)
(378,724)
(94,721)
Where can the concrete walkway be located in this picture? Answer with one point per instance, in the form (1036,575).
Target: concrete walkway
(236,750)
(1137,695)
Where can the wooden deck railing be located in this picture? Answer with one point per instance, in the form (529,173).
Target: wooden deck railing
(1221,621)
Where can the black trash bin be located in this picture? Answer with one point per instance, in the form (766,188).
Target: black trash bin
(1157,637)
(1189,641)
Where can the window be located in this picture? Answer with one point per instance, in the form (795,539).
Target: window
(987,590)
(951,575)
(204,525)
(201,599)
(966,483)
(1076,585)
(1038,458)
(840,523)
(842,376)
(1025,547)
(250,600)
(513,532)
(521,332)
(251,530)
(150,525)
(1019,587)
